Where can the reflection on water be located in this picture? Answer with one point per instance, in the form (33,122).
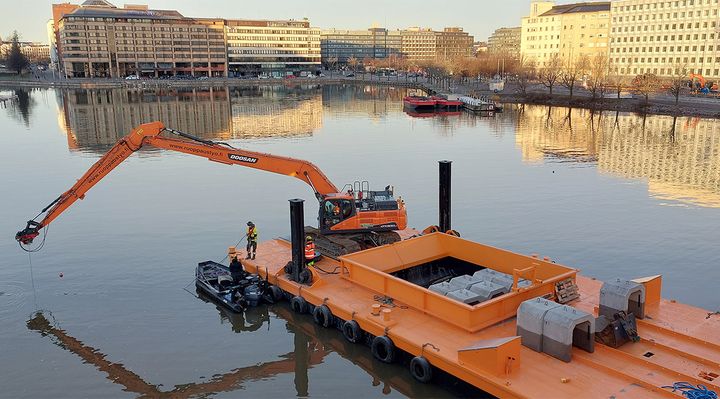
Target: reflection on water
(21,107)
(311,345)
(679,157)
(275,111)
(94,120)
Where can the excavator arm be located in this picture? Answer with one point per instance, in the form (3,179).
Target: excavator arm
(149,135)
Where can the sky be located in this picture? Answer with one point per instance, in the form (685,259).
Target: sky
(478,17)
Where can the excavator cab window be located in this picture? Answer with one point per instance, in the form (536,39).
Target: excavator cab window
(335,210)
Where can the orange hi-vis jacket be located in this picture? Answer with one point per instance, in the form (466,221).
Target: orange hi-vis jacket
(310,250)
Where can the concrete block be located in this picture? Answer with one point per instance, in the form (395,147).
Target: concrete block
(622,295)
(487,290)
(442,288)
(464,296)
(530,321)
(464,281)
(565,327)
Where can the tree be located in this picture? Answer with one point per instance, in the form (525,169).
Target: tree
(645,84)
(677,80)
(525,74)
(16,60)
(550,74)
(598,75)
(353,62)
(332,62)
(619,75)
(572,71)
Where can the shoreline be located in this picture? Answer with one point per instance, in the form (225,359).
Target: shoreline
(703,108)
(688,107)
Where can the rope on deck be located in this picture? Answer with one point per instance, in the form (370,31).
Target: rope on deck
(691,391)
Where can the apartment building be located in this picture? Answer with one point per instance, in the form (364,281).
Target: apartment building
(505,42)
(568,30)
(374,43)
(423,44)
(98,39)
(654,36)
(273,47)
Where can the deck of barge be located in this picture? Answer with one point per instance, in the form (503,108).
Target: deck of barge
(678,342)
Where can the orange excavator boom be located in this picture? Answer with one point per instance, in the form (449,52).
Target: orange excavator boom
(149,135)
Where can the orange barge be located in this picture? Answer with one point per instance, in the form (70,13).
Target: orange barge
(389,297)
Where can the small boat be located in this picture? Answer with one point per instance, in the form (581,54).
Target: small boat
(419,102)
(215,280)
(441,102)
(478,104)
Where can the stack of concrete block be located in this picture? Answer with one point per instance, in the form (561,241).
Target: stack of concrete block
(488,290)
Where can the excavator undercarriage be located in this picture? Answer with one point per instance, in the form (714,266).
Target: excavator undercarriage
(335,245)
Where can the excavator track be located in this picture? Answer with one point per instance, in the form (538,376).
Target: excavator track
(335,245)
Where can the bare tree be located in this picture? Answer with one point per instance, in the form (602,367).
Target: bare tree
(573,70)
(525,74)
(677,80)
(619,76)
(598,75)
(353,62)
(552,71)
(646,84)
(331,63)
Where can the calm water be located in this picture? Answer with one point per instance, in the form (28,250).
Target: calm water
(615,195)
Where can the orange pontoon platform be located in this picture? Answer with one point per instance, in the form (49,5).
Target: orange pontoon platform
(478,343)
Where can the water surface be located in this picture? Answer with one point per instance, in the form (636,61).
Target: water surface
(616,195)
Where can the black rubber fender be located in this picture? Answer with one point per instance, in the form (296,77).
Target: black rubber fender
(352,332)
(421,369)
(305,277)
(299,305)
(276,294)
(322,316)
(383,349)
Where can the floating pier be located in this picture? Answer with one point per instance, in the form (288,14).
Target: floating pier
(513,325)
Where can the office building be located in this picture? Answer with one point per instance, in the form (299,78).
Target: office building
(339,46)
(652,36)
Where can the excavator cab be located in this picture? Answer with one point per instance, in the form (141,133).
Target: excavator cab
(359,208)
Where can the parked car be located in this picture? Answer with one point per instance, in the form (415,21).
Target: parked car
(350,75)
(132,77)
(290,77)
(203,78)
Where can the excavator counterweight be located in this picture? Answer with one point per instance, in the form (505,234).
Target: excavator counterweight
(356,217)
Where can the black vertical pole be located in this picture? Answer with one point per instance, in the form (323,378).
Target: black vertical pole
(444,206)
(297,230)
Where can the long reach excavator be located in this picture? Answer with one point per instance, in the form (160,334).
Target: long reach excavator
(349,220)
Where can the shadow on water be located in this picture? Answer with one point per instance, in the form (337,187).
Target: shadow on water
(311,345)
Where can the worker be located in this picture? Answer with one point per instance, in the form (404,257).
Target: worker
(236,269)
(329,208)
(251,235)
(309,251)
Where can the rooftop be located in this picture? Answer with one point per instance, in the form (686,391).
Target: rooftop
(577,7)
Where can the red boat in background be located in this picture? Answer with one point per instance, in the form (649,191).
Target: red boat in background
(419,102)
(446,103)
